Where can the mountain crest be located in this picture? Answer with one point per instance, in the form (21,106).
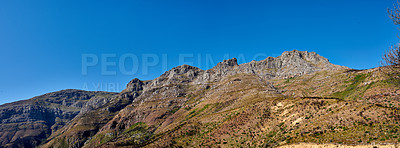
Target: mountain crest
(311,57)
(289,64)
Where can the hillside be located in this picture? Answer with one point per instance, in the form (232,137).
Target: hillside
(26,123)
(298,97)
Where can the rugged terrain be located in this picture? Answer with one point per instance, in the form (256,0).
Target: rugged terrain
(298,97)
(28,122)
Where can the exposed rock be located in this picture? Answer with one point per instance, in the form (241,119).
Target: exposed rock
(134,85)
(178,75)
(289,64)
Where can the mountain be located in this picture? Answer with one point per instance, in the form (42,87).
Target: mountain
(298,97)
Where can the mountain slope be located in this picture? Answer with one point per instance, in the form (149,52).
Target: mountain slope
(30,121)
(89,121)
(245,110)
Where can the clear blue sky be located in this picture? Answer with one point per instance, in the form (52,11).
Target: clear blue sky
(42,42)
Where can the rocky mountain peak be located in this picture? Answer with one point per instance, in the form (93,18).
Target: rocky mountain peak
(289,64)
(181,70)
(180,74)
(135,85)
(229,62)
(296,63)
(310,57)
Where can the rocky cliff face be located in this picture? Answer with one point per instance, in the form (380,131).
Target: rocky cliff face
(28,122)
(289,64)
(94,115)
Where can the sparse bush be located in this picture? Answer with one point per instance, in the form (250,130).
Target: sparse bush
(391,58)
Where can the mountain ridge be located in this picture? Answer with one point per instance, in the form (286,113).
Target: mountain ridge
(298,62)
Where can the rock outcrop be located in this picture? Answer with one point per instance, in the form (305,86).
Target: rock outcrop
(180,74)
(289,64)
